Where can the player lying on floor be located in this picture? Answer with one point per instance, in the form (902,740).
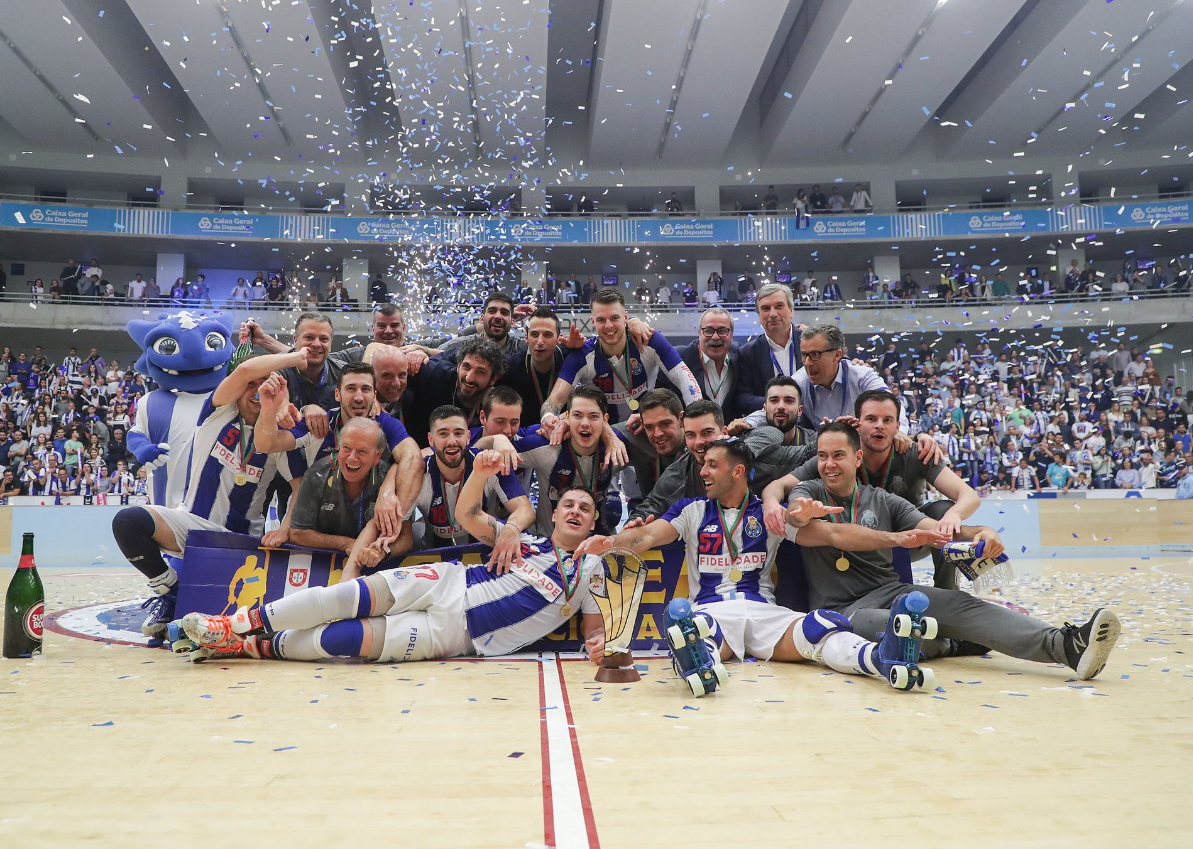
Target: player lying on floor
(730,557)
(433,610)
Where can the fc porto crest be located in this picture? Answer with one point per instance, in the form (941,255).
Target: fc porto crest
(753,527)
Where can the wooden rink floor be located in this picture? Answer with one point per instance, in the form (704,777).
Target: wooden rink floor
(116,745)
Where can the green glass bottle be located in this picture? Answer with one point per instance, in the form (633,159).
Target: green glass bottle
(24,607)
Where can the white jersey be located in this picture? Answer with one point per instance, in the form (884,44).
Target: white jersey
(436,502)
(714,573)
(170,418)
(591,366)
(212,491)
(508,612)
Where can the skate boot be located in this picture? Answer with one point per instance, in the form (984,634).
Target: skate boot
(205,653)
(210,632)
(898,652)
(1087,646)
(161,612)
(692,649)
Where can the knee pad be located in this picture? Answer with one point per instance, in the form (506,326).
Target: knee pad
(820,623)
(131,523)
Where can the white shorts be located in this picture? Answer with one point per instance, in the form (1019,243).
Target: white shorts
(181,522)
(751,628)
(427,618)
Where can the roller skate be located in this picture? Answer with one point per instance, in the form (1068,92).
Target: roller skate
(161,612)
(691,653)
(898,651)
(177,639)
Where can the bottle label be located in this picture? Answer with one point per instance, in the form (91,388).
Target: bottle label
(33,621)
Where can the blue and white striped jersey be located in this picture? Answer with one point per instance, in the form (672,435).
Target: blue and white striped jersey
(215,460)
(509,612)
(591,366)
(436,501)
(714,574)
(168,417)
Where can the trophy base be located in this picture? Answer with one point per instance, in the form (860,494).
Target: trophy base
(618,668)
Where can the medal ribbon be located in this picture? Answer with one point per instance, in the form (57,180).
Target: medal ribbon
(715,391)
(246,448)
(534,377)
(590,484)
(885,472)
(568,591)
(734,551)
(836,517)
(628,382)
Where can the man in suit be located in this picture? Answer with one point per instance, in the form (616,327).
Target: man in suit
(774,351)
(713,359)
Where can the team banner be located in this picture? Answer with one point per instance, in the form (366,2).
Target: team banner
(223,571)
(637,230)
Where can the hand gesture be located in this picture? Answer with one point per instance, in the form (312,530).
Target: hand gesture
(917,538)
(273,394)
(737,427)
(574,340)
(494,462)
(596,544)
(774,517)
(803,510)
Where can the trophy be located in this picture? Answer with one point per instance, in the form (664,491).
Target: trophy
(625,577)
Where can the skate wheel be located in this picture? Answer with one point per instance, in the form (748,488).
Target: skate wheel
(718,669)
(903,625)
(675,637)
(695,684)
(182,646)
(930,628)
(927,679)
(702,629)
(899,677)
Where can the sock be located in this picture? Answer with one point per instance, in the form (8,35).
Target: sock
(346,638)
(715,639)
(133,529)
(165,582)
(847,652)
(310,607)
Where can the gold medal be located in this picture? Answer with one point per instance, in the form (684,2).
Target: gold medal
(735,574)
(842,563)
(241,479)
(566,611)
(632,404)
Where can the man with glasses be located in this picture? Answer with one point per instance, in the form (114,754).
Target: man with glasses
(713,360)
(829,385)
(775,351)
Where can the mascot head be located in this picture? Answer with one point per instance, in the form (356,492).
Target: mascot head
(184,352)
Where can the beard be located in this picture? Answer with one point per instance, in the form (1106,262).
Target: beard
(785,427)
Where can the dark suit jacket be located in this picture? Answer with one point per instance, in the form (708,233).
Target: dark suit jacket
(691,356)
(753,371)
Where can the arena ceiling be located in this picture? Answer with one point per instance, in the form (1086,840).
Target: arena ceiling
(440,87)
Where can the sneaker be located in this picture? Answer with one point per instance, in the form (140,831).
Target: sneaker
(211,632)
(898,650)
(965,648)
(1087,646)
(161,613)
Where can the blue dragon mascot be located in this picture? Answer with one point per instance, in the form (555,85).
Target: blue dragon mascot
(187,356)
